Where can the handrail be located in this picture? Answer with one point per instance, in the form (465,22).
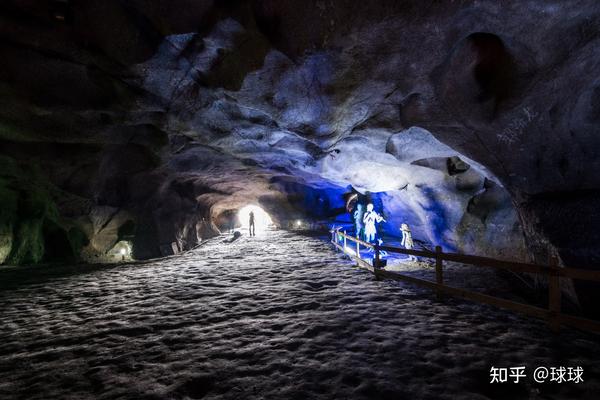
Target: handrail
(480,261)
(354,239)
(553,272)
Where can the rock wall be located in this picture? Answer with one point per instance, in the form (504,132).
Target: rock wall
(174,113)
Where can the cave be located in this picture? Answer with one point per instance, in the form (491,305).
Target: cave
(422,179)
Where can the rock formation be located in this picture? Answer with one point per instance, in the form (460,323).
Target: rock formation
(150,121)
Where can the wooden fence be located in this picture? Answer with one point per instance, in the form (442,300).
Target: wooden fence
(553,272)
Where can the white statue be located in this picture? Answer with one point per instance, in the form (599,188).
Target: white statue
(407,240)
(369,219)
(358,221)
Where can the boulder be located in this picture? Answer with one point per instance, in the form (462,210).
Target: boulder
(416,143)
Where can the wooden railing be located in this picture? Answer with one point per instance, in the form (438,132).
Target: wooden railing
(553,272)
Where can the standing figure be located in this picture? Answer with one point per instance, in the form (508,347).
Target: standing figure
(369,219)
(358,221)
(251,227)
(407,240)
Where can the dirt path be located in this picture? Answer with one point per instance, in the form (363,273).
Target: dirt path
(279,316)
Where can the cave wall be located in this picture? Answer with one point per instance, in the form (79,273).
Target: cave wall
(150,119)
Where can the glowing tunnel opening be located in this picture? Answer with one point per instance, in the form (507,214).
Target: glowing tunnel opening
(262,220)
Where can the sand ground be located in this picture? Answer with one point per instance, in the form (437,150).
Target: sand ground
(278,316)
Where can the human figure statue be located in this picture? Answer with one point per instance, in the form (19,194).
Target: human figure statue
(407,240)
(358,221)
(369,219)
(251,227)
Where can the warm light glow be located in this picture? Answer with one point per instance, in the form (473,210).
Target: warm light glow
(262,220)
(123,251)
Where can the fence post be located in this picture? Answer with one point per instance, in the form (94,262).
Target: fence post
(357,249)
(439,275)
(554,295)
(376,262)
(344,241)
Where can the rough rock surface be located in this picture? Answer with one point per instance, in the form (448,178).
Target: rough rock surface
(180,112)
(274,316)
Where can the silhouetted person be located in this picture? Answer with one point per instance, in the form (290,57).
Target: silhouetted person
(251,227)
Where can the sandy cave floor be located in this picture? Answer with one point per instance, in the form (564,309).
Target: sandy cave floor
(278,316)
